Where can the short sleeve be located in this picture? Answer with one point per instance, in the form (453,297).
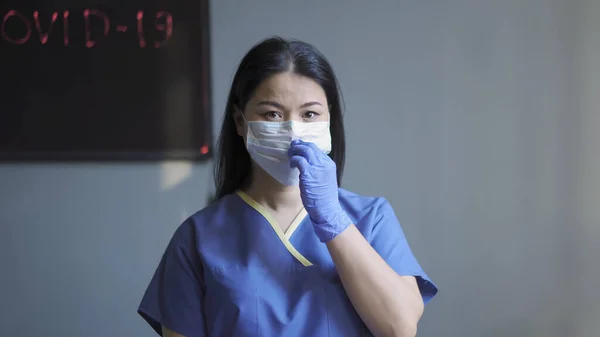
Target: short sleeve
(174,296)
(388,239)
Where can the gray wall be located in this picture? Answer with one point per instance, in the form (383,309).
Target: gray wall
(586,267)
(476,119)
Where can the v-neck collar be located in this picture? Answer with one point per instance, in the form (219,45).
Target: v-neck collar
(284,237)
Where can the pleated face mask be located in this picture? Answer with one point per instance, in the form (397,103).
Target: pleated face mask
(268,144)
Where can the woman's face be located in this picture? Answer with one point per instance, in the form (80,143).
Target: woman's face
(284,97)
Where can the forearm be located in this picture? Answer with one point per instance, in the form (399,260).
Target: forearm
(389,304)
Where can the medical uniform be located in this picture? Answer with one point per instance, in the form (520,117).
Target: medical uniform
(229,270)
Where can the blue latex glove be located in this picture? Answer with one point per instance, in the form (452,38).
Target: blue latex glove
(319,189)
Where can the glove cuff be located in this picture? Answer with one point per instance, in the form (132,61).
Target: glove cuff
(338,222)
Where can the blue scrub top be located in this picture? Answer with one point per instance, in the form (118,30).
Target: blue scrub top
(229,270)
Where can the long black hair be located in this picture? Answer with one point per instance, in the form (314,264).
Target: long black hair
(267,58)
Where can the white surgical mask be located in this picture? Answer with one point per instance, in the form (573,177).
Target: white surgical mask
(268,144)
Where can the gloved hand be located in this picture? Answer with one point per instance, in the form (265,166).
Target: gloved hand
(319,189)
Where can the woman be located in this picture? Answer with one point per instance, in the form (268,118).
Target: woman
(284,251)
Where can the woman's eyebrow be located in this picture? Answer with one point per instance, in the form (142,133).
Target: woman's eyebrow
(271,103)
(279,106)
(310,104)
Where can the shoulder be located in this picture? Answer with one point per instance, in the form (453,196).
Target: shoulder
(213,219)
(361,204)
(365,210)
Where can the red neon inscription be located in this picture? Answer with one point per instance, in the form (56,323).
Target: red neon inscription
(66,28)
(166,27)
(140,28)
(86,14)
(16,15)
(44,26)
(44,36)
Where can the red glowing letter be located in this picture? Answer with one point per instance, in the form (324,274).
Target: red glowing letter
(204,149)
(7,38)
(66,28)
(86,14)
(166,27)
(140,28)
(43,36)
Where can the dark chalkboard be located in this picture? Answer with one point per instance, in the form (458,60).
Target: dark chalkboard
(105,80)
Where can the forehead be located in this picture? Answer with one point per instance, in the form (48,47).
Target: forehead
(289,89)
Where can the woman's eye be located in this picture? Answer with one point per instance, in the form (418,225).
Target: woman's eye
(272,114)
(310,115)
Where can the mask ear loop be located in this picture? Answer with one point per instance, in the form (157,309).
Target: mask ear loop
(248,130)
(244,117)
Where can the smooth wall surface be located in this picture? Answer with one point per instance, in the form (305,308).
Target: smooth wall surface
(586,269)
(476,119)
